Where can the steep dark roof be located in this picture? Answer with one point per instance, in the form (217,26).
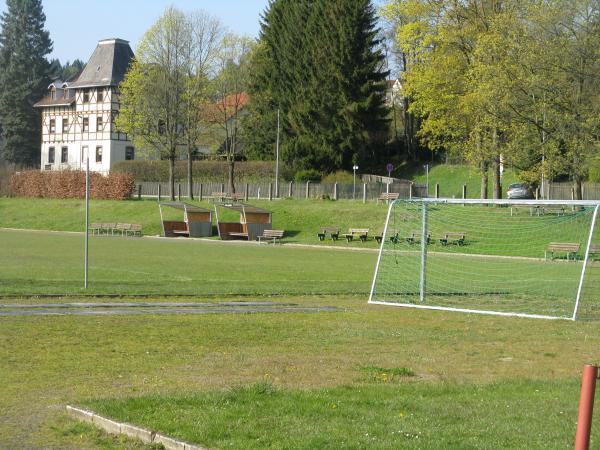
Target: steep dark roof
(107,65)
(47,101)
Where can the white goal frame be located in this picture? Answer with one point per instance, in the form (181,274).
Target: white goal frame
(426,201)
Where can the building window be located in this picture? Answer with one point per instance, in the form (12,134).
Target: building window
(86,96)
(65,125)
(99,123)
(53,93)
(100,96)
(98,154)
(51,155)
(64,155)
(129,153)
(86,124)
(52,125)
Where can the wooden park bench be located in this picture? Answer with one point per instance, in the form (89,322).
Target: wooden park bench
(559,211)
(334,232)
(386,196)
(134,230)
(271,235)
(452,237)
(220,196)
(123,228)
(594,251)
(96,228)
(361,233)
(570,248)
(415,237)
(108,228)
(235,197)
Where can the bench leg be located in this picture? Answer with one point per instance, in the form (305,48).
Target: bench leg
(321,236)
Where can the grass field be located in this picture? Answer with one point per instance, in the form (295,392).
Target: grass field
(364,376)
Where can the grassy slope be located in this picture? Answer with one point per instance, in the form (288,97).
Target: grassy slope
(451,178)
(301,219)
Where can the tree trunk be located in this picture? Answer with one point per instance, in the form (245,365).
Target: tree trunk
(172,177)
(577,185)
(231,182)
(497,189)
(484,180)
(190,177)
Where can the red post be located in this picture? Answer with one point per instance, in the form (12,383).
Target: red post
(586,407)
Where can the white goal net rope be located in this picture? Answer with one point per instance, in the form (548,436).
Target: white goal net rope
(527,258)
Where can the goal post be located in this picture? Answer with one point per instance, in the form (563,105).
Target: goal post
(524,258)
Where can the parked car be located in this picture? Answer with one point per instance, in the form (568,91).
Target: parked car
(519,191)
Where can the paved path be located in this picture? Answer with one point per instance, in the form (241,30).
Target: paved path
(109,309)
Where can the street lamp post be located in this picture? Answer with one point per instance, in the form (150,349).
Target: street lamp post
(87,214)
(277,159)
(354,169)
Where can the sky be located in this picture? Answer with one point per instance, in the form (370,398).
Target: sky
(76,26)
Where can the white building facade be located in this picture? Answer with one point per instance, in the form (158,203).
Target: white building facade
(78,116)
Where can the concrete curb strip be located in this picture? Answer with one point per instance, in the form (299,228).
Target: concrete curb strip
(144,435)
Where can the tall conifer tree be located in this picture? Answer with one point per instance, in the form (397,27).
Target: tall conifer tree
(319,64)
(24,76)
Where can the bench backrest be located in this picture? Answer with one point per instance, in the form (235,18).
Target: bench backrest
(417,234)
(389,196)
(330,230)
(273,233)
(219,194)
(123,226)
(359,230)
(595,248)
(564,246)
(96,225)
(136,227)
(454,235)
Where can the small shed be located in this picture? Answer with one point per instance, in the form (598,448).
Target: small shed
(197,221)
(253,221)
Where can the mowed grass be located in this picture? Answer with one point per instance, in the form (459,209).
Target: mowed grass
(464,381)
(276,380)
(515,414)
(51,263)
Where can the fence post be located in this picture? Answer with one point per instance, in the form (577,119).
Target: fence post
(270,191)
(139,191)
(159,192)
(537,193)
(179,191)
(464,191)
(308,189)
(410,191)
(291,189)
(364,192)
(222,187)
(246,189)
(572,193)
(201,188)
(335,191)
(437,190)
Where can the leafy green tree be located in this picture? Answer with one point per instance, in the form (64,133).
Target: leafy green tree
(24,76)
(152,95)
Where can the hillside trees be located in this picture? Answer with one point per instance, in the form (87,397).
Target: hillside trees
(318,62)
(505,81)
(24,76)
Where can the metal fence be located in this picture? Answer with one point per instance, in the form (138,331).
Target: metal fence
(304,190)
(336,191)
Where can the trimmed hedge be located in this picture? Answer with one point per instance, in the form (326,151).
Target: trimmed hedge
(71,184)
(203,171)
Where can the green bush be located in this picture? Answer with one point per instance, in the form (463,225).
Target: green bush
(308,175)
(341,176)
(203,171)
(594,171)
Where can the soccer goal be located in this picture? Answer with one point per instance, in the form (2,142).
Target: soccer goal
(524,258)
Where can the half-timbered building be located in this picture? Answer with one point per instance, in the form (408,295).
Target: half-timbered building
(78,116)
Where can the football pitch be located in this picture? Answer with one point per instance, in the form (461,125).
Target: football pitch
(349,376)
